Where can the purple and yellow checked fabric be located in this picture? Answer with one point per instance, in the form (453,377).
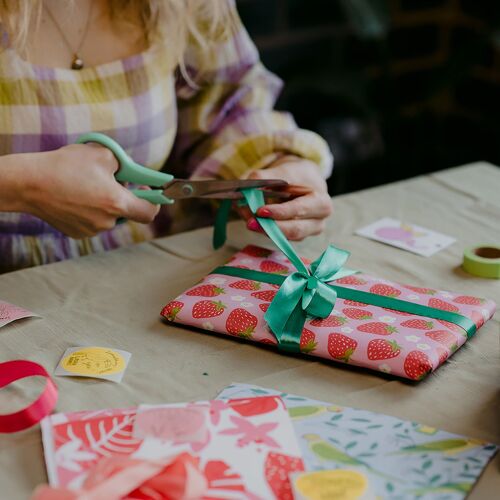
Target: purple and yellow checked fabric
(221,127)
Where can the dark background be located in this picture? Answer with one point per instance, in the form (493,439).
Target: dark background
(397,87)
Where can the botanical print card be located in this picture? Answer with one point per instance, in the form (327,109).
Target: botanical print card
(407,236)
(10,312)
(247,447)
(399,459)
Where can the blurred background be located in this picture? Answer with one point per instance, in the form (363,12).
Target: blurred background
(397,87)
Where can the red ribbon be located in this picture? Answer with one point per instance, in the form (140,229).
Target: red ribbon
(10,371)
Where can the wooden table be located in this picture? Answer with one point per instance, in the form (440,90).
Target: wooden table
(114,299)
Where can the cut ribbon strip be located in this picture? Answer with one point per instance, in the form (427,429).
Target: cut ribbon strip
(10,371)
(309,292)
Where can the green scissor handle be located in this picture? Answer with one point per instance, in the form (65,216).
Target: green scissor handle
(130,171)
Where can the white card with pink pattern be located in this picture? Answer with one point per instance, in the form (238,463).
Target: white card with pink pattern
(416,239)
(247,447)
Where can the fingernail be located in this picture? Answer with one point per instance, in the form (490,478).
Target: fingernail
(264,212)
(253,225)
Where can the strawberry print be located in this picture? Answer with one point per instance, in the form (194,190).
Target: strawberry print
(172,309)
(241,323)
(443,354)
(208,309)
(245,285)
(441,304)
(469,300)
(354,303)
(417,289)
(350,280)
(266,295)
(341,347)
(270,266)
(382,289)
(205,291)
(255,251)
(268,341)
(452,326)
(354,313)
(329,321)
(419,324)
(277,469)
(377,328)
(264,307)
(417,365)
(307,341)
(383,349)
(443,337)
(477,318)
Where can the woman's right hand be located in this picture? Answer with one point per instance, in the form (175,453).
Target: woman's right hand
(73,189)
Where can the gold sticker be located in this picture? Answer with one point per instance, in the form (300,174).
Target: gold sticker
(93,361)
(332,484)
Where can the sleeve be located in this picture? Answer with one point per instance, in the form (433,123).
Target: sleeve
(226,122)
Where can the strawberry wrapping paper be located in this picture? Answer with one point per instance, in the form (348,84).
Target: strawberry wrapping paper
(369,336)
(243,448)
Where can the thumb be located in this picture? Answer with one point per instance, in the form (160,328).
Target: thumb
(139,210)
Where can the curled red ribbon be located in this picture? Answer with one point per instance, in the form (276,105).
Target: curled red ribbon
(10,371)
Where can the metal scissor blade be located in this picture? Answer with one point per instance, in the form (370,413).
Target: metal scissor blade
(183,188)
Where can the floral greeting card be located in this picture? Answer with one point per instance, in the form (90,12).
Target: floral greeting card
(247,447)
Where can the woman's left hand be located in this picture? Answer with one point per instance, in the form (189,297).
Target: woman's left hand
(301,216)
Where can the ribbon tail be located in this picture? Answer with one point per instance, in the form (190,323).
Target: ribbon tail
(289,340)
(220,226)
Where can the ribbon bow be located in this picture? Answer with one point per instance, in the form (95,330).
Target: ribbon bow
(305,293)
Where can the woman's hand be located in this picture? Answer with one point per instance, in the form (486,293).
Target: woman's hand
(301,216)
(74,190)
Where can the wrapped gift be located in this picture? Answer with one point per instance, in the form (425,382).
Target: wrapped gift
(405,330)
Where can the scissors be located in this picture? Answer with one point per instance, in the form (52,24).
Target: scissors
(175,189)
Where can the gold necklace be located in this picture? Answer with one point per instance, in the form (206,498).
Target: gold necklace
(77,62)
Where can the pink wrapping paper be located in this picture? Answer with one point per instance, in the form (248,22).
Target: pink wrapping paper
(380,339)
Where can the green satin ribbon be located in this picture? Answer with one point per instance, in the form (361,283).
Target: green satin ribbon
(359,296)
(306,292)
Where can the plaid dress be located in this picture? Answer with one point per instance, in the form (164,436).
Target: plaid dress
(222,126)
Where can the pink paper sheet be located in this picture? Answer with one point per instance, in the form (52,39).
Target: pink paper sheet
(10,312)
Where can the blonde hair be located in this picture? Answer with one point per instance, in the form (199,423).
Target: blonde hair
(181,21)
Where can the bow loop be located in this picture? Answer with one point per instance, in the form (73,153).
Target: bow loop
(305,294)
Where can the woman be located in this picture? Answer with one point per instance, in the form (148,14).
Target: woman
(177,83)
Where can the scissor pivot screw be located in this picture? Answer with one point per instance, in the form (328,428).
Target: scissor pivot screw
(187,189)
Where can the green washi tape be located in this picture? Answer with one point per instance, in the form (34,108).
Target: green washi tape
(483,261)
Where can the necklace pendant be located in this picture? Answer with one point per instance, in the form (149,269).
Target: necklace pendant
(77,63)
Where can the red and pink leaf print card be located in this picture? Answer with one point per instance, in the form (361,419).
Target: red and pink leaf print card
(10,312)
(247,447)
(356,333)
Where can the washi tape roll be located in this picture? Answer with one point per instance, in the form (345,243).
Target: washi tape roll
(10,371)
(483,261)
